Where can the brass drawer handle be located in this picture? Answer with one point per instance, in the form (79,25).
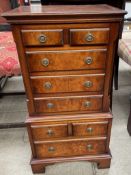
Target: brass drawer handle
(89,37)
(45,62)
(48,85)
(88,60)
(42,38)
(50,132)
(88,84)
(87,104)
(50,105)
(51,149)
(89,147)
(90,130)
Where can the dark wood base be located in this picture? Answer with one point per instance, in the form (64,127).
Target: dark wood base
(103,161)
(38,168)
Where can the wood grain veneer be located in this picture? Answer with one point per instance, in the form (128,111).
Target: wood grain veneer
(94,58)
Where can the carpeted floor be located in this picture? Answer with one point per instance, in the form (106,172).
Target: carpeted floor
(14,146)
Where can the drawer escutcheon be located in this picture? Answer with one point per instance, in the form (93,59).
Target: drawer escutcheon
(51,149)
(50,105)
(88,60)
(42,38)
(87,104)
(89,37)
(88,84)
(45,62)
(89,147)
(50,132)
(90,130)
(48,85)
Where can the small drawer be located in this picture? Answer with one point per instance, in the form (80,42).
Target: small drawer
(42,37)
(65,148)
(68,104)
(42,131)
(90,129)
(89,36)
(71,83)
(62,60)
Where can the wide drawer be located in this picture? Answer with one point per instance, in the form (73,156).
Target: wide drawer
(68,83)
(68,104)
(65,148)
(66,60)
(89,36)
(42,37)
(42,132)
(90,128)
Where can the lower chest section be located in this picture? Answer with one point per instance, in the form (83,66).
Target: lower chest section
(70,137)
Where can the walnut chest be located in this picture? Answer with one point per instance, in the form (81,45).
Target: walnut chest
(66,55)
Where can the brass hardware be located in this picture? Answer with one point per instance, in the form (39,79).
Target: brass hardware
(47,85)
(45,62)
(89,147)
(88,84)
(51,149)
(89,130)
(42,38)
(50,105)
(89,37)
(87,104)
(50,132)
(88,60)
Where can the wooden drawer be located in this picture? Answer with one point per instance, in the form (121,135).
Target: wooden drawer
(68,104)
(89,36)
(68,83)
(72,147)
(62,60)
(90,129)
(42,37)
(42,131)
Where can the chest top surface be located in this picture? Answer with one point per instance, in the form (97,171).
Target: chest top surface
(31,14)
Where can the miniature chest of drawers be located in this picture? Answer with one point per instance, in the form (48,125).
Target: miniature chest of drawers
(66,55)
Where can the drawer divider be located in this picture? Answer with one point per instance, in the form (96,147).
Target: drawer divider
(70,129)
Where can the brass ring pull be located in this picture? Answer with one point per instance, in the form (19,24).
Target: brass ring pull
(51,149)
(87,104)
(89,37)
(89,147)
(88,60)
(50,105)
(90,130)
(42,38)
(45,62)
(50,132)
(88,84)
(48,85)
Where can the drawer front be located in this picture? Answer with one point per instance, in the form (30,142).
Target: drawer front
(65,148)
(90,129)
(62,60)
(42,37)
(42,132)
(71,83)
(68,104)
(89,36)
